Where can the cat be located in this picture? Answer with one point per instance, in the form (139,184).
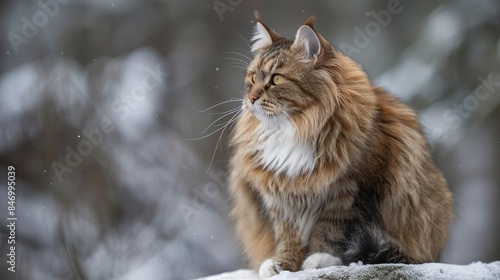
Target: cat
(328,169)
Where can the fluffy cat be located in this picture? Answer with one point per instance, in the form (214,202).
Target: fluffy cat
(327,168)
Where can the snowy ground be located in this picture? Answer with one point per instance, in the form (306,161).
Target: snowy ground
(436,271)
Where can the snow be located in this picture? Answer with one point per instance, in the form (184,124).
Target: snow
(242,274)
(438,271)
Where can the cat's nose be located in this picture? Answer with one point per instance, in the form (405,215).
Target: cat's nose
(253,96)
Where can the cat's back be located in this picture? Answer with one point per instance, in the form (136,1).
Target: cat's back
(415,203)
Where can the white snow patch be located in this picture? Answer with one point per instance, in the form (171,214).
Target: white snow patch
(242,274)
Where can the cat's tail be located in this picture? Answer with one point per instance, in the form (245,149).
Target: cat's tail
(371,245)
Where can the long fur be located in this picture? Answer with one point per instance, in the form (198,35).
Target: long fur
(347,170)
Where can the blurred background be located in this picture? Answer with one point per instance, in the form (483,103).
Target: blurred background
(103,115)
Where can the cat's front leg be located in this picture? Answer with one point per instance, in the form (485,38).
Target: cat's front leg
(289,253)
(278,263)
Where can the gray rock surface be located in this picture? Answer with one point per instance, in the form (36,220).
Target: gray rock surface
(437,271)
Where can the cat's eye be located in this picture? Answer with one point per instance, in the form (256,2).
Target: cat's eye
(253,78)
(278,79)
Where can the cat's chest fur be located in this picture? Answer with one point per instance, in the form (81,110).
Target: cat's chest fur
(279,150)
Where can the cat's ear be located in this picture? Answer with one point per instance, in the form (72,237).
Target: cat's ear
(263,36)
(307,41)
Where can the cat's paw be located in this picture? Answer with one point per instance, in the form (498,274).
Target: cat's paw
(320,260)
(269,268)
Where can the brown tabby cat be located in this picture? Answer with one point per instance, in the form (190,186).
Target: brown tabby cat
(329,169)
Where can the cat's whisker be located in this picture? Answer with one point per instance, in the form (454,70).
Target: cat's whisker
(221,124)
(203,137)
(233,99)
(238,64)
(225,112)
(213,132)
(240,54)
(239,67)
(232,120)
(220,118)
(237,60)
(210,134)
(241,36)
(296,127)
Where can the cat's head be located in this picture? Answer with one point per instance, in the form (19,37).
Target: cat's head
(282,79)
(301,79)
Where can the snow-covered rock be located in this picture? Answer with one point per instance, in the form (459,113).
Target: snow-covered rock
(242,274)
(436,271)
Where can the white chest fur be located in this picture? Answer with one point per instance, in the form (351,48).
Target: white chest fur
(279,150)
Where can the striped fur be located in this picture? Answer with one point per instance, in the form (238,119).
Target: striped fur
(327,165)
